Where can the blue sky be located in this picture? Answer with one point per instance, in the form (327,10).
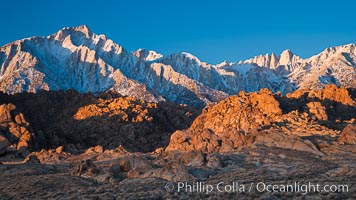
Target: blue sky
(212,30)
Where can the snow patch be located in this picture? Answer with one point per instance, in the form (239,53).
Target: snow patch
(243,69)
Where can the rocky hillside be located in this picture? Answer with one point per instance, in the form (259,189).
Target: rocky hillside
(76,58)
(79,121)
(270,119)
(98,146)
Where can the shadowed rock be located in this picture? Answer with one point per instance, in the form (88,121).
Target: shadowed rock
(15,130)
(4,144)
(348,135)
(85,168)
(79,121)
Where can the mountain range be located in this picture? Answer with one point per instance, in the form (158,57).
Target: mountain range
(76,58)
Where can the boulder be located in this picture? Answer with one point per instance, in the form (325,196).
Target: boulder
(96,149)
(19,132)
(5,115)
(134,162)
(193,158)
(275,138)
(174,171)
(4,144)
(32,159)
(59,149)
(348,135)
(85,168)
(317,110)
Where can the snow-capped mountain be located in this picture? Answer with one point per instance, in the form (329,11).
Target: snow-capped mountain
(76,58)
(227,77)
(333,65)
(287,60)
(71,58)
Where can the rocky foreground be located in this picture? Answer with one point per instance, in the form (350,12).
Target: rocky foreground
(66,145)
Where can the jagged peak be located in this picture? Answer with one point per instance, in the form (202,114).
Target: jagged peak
(350,45)
(345,46)
(143,50)
(184,55)
(185,58)
(82,28)
(287,52)
(190,56)
(223,64)
(335,50)
(147,55)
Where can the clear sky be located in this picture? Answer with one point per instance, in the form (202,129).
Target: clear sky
(212,30)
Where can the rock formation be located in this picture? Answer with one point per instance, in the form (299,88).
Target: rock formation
(228,125)
(15,131)
(100,146)
(79,121)
(4,144)
(348,135)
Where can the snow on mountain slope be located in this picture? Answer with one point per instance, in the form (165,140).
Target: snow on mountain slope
(72,58)
(76,58)
(333,65)
(287,60)
(147,55)
(227,77)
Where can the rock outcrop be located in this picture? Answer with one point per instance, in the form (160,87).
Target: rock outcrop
(273,138)
(4,144)
(15,131)
(252,136)
(85,168)
(330,103)
(348,135)
(222,127)
(269,119)
(79,121)
(317,110)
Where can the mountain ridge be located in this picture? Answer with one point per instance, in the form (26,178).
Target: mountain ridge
(76,58)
